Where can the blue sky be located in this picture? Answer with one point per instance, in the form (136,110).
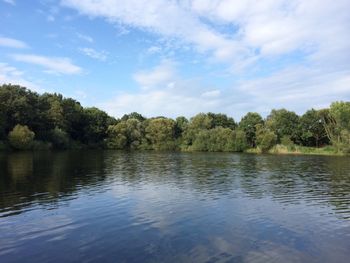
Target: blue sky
(180,57)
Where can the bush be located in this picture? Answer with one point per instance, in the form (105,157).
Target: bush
(59,138)
(40,145)
(265,139)
(21,137)
(286,141)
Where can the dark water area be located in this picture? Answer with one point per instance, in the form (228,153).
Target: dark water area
(110,206)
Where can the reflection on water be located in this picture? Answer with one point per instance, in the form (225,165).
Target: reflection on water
(112,206)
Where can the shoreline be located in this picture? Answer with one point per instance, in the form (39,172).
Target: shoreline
(276,150)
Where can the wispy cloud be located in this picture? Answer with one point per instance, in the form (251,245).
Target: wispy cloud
(85,38)
(12,43)
(163,92)
(161,75)
(11,2)
(92,53)
(260,42)
(56,65)
(10,74)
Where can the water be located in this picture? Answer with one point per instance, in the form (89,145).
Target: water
(110,206)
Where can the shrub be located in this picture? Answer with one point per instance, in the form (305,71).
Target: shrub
(59,138)
(265,138)
(40,145)
(21,137)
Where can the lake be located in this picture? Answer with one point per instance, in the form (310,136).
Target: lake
(111,206)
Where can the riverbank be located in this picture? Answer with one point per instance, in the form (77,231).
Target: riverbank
(299,150)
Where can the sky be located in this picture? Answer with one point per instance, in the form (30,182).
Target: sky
(172,58)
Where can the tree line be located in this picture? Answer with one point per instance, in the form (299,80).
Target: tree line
(29,120)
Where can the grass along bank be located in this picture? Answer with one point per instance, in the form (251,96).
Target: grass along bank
(298,150)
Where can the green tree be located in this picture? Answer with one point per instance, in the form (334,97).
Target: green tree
(197,123)
(265,138)
(219,139)
(133,115)
(181,124)
(336,122)
(312,129)
(125,135)
(248,125)
(96,124)
(17,105)
(59,138)
(221,120)
(284,123)
(161,134)
(21,137)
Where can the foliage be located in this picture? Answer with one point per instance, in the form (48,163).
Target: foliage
(125,135)
(248,124)
(221,120)
(161,134)
(21,137)
(59,138)
(133,115)
(336,121)
(265,138)
(312,129)
(180,126)
(283,122)
(62,123)
(219,139)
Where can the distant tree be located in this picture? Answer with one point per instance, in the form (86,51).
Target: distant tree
(248,126)
(284,123)
(73,118)
(55,113)
(336,122)
(133,115)
(161,133)
(59,138)
(125,135)
(21,137)
(219,139)
(96,123)
(197,123)
(265,138)
(17,106)
(221,120)
(181,124)
(312,129)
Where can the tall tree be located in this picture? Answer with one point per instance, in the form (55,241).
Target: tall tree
(284,123)
(248,124)
(161,133)
(312,129)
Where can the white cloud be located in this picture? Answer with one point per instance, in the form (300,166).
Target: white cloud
(153,50)
(9,74)
(56,65)
(269,27)
(92,53)
(211,93)
(298,89)
(12,43)
(165,18)
(157,76)
(290,53)
(85,38)
(163,92)
(11,2)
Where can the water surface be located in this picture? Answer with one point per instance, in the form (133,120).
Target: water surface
(110,206)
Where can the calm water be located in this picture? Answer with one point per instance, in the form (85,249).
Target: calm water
(109,206)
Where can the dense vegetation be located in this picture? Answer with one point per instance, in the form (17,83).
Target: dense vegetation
(32,121)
